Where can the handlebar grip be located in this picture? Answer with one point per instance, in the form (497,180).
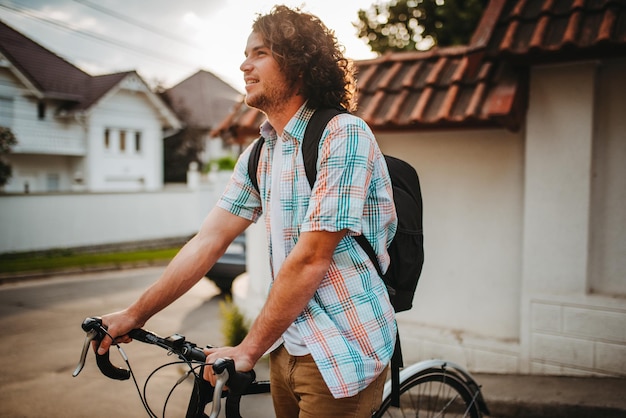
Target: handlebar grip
(94,324)
(109,370)
(143,336)
(196,354)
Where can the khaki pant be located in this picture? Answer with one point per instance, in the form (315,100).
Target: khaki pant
(299,391)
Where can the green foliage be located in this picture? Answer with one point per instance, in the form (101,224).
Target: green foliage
(407,25)
(234,325)
(52,260)
(223,164)
(179,151)
(5,172)
(7,141)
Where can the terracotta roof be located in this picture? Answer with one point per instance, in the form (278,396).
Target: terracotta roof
(241,124)
(438,89)
(483,84)
(559,30)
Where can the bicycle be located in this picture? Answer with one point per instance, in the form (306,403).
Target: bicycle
(430,388)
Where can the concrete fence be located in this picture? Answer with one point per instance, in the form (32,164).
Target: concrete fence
(33,222)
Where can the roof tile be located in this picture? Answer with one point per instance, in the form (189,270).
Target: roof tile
(555,30)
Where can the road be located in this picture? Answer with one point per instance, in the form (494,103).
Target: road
(41,341)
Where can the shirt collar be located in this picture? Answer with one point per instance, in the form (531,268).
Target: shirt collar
(293,129)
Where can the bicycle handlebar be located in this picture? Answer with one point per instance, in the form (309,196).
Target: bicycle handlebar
(224,369)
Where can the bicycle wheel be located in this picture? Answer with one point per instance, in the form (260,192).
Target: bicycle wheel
(430,393)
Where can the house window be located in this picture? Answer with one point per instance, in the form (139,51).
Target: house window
(41,110)
(53,182)
(138,142)
(107,139)
(122,141)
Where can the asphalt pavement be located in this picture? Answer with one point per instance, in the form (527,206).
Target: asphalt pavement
(22,389)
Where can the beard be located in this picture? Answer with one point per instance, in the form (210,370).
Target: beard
(272,98)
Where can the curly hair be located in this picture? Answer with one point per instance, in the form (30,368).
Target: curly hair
(305,48)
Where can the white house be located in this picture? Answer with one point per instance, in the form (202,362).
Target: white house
(76,131)
(519,139)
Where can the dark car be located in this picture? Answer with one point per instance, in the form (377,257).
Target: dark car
(229,266)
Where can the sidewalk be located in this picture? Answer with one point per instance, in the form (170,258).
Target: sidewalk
(552,396)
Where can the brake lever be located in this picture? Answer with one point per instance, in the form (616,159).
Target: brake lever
(95,331)
(221,370)
(91,334)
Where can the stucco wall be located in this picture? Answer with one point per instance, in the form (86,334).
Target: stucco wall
(472,193)
(567,327)
(607,264)
(45,221)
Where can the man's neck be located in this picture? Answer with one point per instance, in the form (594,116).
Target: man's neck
(279,117)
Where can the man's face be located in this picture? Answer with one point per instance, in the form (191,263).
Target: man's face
(266,86)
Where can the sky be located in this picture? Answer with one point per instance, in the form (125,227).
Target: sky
(165,41)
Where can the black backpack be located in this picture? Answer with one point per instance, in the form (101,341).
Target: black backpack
(407,247)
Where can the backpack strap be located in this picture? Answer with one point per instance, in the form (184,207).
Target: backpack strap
(312,138)
(253,161)
(396,364)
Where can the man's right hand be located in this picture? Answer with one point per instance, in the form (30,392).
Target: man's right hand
(118,325)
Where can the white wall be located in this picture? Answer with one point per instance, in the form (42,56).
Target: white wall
(566,329)
(607,263)
(251,288)
(472,194)
(45,221)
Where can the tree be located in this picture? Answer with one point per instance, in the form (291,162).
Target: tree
(182,148)
(179,151)
(7,141)
(407,25)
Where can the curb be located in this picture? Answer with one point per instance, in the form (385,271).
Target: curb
(7,278)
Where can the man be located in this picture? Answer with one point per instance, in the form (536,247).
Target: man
(327,311)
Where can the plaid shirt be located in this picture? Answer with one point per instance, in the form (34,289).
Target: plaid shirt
(349,324)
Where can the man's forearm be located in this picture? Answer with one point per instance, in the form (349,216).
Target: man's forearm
(181,274)
(296,283)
